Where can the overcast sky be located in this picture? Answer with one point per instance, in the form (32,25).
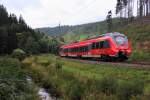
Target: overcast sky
(49,13)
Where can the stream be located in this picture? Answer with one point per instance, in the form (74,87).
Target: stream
(43,94)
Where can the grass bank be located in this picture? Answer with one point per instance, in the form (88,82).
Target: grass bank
(77,81)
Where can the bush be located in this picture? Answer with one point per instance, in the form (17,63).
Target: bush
(147,90)
(19,54)
(140,56)
(57,65)
(127,89)
(13,84)
(76,90)
(9,62)
(107,84)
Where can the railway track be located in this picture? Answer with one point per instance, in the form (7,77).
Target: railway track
(137,65)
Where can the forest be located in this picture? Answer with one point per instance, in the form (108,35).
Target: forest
(16,34)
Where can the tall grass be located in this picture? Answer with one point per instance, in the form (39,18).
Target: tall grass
(76,81)
(13,84)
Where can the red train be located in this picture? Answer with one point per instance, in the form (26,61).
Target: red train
(109,46)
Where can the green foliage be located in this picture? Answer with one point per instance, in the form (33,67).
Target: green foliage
(54,46)
(44,45)
(140,56)
(15,33)
(107,85)
(139,38)
(31,46)
(19,54)
(13,84)
(77,81)
(127,89)
(147,90)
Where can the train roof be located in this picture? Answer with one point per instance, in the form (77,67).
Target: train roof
(88,41)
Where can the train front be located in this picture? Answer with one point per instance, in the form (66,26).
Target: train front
(123,47)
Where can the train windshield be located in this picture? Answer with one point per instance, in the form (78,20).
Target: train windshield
(121,40)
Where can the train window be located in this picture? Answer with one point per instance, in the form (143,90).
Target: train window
(101,44)
(106,44)
(71,50)
(87,49)
(93,45)
(78,50)
(82,49)
(97,45)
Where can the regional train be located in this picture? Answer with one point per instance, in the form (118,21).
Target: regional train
(107,47)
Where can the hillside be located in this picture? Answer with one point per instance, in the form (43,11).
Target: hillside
(139,36)
(78,31)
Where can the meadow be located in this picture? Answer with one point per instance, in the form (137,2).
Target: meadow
(73,80)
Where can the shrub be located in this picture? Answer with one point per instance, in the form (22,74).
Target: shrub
(107,84)
(13,84)
(127,89)
(76,90)
(147,90)
(55,65)
(19,54)
(59,63)
(9,62)
(140,56)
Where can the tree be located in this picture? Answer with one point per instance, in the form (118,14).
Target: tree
(19,54)
(32,46)
(15,33)
(3,40)
(44,45)
(3,15)
(13,19)
(54,46)
(109,20)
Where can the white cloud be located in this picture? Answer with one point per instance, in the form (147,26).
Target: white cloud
(68,12)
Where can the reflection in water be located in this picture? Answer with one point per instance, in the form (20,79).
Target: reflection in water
(44,95)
